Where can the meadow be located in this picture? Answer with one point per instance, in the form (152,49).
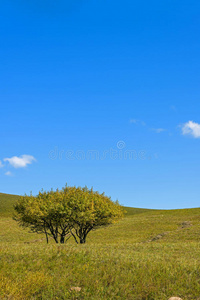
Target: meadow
(149,254)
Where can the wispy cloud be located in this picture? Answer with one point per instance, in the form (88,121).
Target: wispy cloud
(21,161)
(191,128)
(1,165)
(137,122)
(158,130)
(8,173)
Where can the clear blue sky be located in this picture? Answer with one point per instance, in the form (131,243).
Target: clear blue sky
(106,76)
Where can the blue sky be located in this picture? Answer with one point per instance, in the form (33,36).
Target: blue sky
(103,94)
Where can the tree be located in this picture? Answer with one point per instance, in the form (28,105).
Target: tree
(69,212)
(46,213)
(90,210)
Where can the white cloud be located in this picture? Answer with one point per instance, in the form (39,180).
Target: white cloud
(158,130)
(133,121)
(21,161)
(191,128)
(8,173)
(138,122)
(1,165)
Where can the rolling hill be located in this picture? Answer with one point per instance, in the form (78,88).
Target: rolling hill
(6,204)
(150,254)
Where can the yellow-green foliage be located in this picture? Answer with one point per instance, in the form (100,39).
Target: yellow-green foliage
(122,261)
(70,211)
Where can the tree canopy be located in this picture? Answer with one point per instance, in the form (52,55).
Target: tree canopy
(70,212)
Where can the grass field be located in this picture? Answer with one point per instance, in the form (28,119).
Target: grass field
(150,254)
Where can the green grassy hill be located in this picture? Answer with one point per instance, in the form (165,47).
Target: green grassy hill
(150,254)
(6,204)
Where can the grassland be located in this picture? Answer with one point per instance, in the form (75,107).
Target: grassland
(150,254)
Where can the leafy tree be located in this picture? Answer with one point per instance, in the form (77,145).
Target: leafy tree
(90,210)
(69,212)
(46,213)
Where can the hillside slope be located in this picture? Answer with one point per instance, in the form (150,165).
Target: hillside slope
(6,204)
(149,254)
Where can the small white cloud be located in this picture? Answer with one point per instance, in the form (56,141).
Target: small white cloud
(191,128)
(1,165)
(138,122)
(21,161)
(8,173)
(133,121)
(158,130)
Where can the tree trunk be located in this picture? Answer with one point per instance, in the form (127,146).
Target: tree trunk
(83,240)
(62,239)
(55,238)
(47,238)
(74,236)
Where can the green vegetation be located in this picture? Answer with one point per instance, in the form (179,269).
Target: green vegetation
(150,254)
(6,204)
(69,212)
